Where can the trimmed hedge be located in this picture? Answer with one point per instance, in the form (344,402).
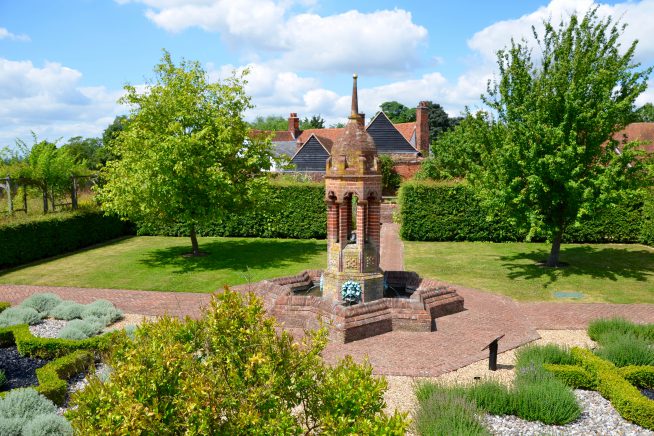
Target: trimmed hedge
(49,348)
(572,375)
(4,305)
(53,376)
(449,211)
(51,235)
(641,376)
(290,210)
(626,398)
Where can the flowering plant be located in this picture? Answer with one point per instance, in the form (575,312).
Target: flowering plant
(351,291)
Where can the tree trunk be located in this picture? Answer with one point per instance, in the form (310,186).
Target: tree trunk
(553,260)
(45,200)
(194,241)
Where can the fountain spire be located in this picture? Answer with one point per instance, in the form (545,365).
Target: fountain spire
(355,98)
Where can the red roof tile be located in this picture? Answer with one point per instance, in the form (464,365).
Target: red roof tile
(638,132)
(406,129)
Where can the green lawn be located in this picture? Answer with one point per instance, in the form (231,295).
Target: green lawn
(157,263)
(614,273)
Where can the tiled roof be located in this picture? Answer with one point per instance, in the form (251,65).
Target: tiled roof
(278,135)
(638,132)
(325,136)
(406,129)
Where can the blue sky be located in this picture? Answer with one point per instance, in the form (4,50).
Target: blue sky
(63,63)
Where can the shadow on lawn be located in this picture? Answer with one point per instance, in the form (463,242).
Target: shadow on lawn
(238,255)
(603,263)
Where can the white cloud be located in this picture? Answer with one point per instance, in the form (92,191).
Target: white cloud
(381,41)
(50,101)
(6,34)
(637,16)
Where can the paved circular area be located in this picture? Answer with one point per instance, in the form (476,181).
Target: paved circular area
(457,342)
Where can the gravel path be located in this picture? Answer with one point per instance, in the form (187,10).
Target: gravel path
(598,416)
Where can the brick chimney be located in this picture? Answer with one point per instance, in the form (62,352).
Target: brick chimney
(294,125)
(362,119)
(422,128)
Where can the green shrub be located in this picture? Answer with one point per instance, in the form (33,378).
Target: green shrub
(450,211)
(72,333)
(67,310)
(42,303)
(647,229)
(48,425)
(24,242)
(4,305)
(11,426)
(24,405)
(538,396)
(572,375)
(101,311)
(625,349)
(444,412)
(390,178)
(230,373)
(641,376)
(89,326)
(540,354)
(625,398)
(53,376)
(289,210)
(19,315)
(491,396)
(602,328)
(49,348)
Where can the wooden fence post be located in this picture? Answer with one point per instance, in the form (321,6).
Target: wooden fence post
(10,203)
(73,193)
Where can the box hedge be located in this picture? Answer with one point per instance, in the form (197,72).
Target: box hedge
(450,211)
(289,210)
(53,376)
(24,242)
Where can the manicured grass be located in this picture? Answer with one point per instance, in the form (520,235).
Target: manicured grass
(157,263)
(614,273)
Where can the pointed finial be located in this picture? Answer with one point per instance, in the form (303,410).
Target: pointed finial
(355,98)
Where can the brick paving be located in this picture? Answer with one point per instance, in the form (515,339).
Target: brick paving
(458,341)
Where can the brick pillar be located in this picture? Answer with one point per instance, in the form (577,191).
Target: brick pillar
(422,128)
(332,221)
(345,221)
(374,219)
(361,222)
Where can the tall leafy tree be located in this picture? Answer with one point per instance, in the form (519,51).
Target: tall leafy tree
(545,155)
(397,112)
(86,151)
(315,122)
(271,122)
(185,155)
(644,114)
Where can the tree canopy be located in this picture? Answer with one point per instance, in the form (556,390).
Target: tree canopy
(644,114)
(271,123)
(185,155)
(315,122)
(544,155)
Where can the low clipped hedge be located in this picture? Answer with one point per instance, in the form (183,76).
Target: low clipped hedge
(289,210)
(572,375)
(50,235)
(49,348)
(642,376)
(53,376)
(4,305)
(615,387)
(449,211)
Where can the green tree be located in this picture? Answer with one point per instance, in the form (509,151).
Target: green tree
(397,112)
(544,156)
(315,122)
(85,151)
(390,178)
(644,114)
(439,121)
(185,156)
(271,123)
(455,152)
(231,373)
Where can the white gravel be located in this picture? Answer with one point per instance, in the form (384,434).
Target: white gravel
(598,416)
(48,328)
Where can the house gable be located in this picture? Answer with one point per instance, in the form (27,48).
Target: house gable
(311,157)
(387,138)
